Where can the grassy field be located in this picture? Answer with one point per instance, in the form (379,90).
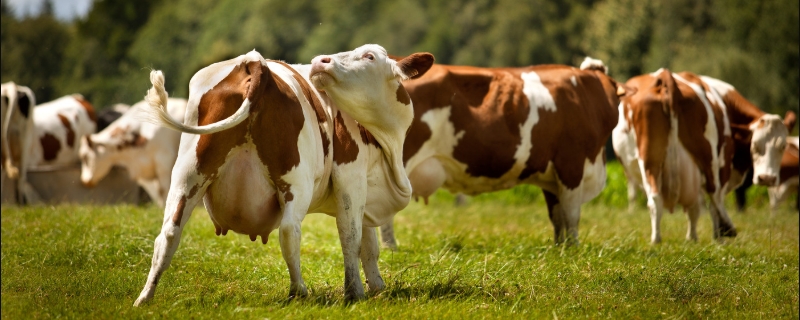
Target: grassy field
(493,258)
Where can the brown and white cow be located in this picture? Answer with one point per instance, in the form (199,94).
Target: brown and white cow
(148,151)
(17,136)
(59,126)
(479,130)
(682,135)
(262,148)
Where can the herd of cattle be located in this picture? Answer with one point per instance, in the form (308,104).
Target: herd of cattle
(357,134)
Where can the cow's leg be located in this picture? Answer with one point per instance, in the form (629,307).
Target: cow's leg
(369,259)
(631,195)
(651,173)
(387,235)
(293,213)
(184,194)
(693,213)
(351,199)
(151,187)
(556,214)
(723,226)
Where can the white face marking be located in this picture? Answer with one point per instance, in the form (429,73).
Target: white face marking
(574,81)
(768,143)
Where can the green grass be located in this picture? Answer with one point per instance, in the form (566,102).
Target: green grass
(493,258)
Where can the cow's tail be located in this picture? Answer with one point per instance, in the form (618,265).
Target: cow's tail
(11,170)
(157,112)
(594,64)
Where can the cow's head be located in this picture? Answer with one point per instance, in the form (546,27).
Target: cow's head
(366,84)
(94,162)
(16,106)
(767,142)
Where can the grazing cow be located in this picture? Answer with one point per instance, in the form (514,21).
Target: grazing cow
(681,134)
(479,130)
(262,148)
(59,126)
(788,172)
(17,136)
(146,150)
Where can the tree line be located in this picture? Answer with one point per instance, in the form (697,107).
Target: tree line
(107,55)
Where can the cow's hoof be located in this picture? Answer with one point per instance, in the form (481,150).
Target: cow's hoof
(300,292)
(141,301)
(727,231)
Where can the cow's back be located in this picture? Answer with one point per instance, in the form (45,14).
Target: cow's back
(59,125)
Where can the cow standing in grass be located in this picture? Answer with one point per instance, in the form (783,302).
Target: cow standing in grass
(479,130)
(17,136)
(146,150)
(681,135)
(262,148)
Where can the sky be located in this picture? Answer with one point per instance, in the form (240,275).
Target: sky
(65,10)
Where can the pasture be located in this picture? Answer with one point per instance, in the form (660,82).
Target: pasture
(493,258)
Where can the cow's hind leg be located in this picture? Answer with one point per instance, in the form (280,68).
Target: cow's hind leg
(369,259)
(387,235)
(184,194)
(556,214)
(723,226)
(693,213)
(293,213)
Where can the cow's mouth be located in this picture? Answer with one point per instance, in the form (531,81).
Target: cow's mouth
(321,80)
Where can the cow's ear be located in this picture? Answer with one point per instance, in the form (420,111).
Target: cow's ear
(789,120)
(415,65)
(741,134)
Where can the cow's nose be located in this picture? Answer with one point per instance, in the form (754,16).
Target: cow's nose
(766,179)
(321,60)
(88,184)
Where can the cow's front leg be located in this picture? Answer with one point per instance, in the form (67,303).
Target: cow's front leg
(723,226)
(184,195)
(556,214)
(349,224)
(387,235)
(290,235)
(370,252)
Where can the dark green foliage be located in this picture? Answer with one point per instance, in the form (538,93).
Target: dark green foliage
(108,54)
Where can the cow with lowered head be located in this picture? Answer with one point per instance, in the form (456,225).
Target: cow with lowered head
(262,148)
(147,151)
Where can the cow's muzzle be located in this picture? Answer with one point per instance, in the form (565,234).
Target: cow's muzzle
(766,180)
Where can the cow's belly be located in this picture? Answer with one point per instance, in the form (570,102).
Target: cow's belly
(242,199)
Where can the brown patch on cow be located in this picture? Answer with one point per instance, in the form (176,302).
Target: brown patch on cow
(322,117)
(87,106)
(367,137)
(68,126)
(790,163)
(50,146)
(178,215)
(284,188)
(402,94)
(345,149)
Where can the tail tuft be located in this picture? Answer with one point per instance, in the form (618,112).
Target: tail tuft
(594,64)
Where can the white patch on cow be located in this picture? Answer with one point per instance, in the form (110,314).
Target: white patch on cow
(538,98)
(710,132)
(210,76)
(720,86)
(574,81)
(657,72)
(443,137)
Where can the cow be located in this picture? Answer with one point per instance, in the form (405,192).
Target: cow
(681,135)
(59,126)
(146,150)
(17,136)
(262,148)
(479,130)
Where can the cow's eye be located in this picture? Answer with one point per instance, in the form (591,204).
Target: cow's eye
(369,56)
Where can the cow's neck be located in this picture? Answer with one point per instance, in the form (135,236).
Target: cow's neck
(740,111)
